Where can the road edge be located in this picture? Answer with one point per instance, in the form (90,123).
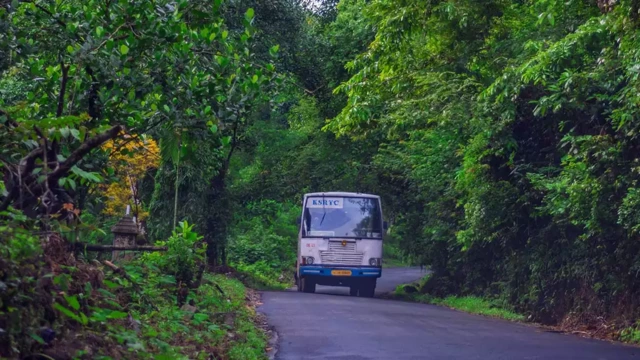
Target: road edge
(269,330)
(392,296)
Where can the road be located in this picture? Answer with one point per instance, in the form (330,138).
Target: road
(326,325)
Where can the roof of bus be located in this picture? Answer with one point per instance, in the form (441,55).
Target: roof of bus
(340,193)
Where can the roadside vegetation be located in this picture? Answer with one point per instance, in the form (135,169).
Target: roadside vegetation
(501,135)
(470,304)
(392,255)
(61,305)
(114,108)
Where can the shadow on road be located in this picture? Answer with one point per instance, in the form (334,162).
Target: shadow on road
(391,278)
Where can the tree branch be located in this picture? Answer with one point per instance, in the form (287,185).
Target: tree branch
(46,11)
(10,121)
(27,164)
(121,37)
(63,88)
(56,19)
(83,150)
(119,271)
(25,167)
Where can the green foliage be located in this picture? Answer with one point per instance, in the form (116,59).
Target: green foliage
(392,256)
(304,116)
(631,335)
(506,146)
(475,305)
(469,304)
(13,89)
(20,258)
(348,35)
(263,242)
(18,245)
(134,309)
(185,254)
(194,191)
(501,135)
(175,71)
(263,276)
(178,333)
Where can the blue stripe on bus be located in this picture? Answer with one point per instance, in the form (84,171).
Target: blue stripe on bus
(355,271)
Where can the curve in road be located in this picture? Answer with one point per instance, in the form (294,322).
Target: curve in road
(325,326)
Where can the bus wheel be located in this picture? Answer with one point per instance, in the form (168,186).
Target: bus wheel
(353,290)
(308,285)
(367,289)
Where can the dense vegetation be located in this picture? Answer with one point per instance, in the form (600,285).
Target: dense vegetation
(106,105)
(509,137)
(501,135)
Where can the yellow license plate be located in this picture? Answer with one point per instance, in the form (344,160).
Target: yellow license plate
(341,272)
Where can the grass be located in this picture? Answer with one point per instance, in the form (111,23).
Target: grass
(263,283)
(249,342)
(476,305)
(223,324)
(469,304)
(631,335)
(145,321)
(264,279)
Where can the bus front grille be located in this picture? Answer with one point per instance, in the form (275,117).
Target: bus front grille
(333,258)
(341,255)
(349,246)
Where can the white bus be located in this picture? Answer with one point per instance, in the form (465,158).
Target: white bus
(340,242)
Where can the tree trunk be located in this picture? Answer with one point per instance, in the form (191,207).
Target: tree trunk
(218,218)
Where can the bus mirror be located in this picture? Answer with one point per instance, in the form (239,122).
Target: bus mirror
(299,220)
(385,225)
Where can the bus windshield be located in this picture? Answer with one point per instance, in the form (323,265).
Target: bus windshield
(351,217)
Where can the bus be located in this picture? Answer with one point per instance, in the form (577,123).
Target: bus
(340,242)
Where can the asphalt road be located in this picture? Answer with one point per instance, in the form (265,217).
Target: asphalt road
(326,325)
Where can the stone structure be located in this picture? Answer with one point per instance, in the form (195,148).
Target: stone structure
(124,234)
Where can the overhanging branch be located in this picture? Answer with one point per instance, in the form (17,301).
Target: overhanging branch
(30,183)
(83,150)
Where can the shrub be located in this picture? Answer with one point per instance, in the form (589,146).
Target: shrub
(185,253)
(265,232)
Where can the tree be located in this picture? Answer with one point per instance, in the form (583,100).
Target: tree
(131,162)
(512,124)
(159,68)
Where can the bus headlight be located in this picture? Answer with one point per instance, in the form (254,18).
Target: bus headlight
(310,260)
(375,261)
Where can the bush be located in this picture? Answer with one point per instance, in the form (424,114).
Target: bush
(263,242)
(631,335)
(265,232)
(21,263)
(185,254)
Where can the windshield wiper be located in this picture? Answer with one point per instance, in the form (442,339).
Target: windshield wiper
(324,210)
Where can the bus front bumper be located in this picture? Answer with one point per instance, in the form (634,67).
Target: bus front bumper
(354,271)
